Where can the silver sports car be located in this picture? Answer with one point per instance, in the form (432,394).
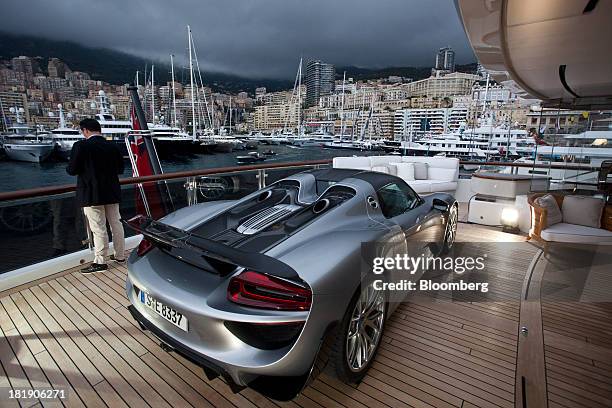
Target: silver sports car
(267,290)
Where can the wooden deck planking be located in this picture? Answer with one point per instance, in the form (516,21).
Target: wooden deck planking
(573,374)
(74,331)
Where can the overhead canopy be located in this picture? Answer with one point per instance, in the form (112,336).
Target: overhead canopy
(558,51)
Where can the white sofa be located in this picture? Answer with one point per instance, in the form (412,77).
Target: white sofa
(442,173)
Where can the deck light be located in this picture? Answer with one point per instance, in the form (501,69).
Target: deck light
(509,219)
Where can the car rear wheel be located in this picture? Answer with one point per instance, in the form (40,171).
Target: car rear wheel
(360,333)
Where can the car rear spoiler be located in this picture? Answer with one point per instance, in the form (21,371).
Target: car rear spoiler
(206,253)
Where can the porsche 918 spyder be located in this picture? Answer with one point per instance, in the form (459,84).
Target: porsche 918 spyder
(267,290)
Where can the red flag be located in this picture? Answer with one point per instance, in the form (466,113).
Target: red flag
(142,161)
(134,118)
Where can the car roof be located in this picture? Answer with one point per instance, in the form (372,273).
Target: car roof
(375,179)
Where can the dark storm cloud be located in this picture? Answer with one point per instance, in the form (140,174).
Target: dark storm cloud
(257,38)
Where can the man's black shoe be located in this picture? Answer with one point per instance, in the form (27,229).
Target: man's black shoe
(94,267)
(112,257)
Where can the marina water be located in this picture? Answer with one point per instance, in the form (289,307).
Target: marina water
(21,175)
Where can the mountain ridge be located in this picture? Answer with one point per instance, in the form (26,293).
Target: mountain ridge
(95,62)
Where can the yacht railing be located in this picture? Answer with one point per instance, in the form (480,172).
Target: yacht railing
(43,232)
(67,188)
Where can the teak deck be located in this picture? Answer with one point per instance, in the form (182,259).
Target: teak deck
(74,332)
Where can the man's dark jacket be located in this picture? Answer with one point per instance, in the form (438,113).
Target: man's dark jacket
(97,163)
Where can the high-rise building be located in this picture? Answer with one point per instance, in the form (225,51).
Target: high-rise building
(25,65)
(320,81)
(259,92)
(445,59)
(10,100)
(57,68)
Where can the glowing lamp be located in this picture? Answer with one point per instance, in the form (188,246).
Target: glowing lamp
(509,219)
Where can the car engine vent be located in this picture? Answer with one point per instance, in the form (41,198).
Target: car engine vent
(265,218)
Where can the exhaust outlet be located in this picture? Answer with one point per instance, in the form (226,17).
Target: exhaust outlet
(264,196)
(320,206)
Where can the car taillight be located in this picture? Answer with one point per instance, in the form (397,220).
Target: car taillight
(144,247)
(266,292)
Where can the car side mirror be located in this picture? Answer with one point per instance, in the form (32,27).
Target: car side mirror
(439,205)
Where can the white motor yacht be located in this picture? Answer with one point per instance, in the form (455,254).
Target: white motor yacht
(65,137)
(113,129)
(22,143)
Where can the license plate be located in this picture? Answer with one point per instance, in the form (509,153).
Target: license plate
(171,315)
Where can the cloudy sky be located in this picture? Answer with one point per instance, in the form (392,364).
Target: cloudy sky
(254,38)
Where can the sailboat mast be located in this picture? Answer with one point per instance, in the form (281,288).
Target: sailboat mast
(153,94)
(193,125)
(62,119)
(230,114)
(145,103)
(486,96)
(299,90)
(173,91)
(342,108)
(3,116)
(209,111)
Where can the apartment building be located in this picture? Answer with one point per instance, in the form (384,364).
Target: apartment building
(442,86)
(10,100)
(275,116)
(556,121)
(420,122)
(57,68)
(320,81)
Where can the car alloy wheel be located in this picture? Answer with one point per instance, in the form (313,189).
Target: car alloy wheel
(451,228)
(365,328)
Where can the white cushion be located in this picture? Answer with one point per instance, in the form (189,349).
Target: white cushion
(420,186)
(579,234)
(361,163)
(405,171)
(442,162)
(381,160)
(392,169)
(582,210)
(440,173)
(439,186)
(420,170)
(553,213)
(381,169)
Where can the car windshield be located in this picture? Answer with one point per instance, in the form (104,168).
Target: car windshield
(396,199)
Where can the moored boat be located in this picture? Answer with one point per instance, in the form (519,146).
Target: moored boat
(22,143)
(251,157)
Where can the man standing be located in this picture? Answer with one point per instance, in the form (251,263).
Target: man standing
(97,163)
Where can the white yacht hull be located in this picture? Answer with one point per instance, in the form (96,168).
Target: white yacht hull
(304,142)
(32,153)
(340,145)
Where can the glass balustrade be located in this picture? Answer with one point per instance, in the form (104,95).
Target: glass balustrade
(34,230)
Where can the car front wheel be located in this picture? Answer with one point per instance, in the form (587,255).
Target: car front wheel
(360,333)
(450,233)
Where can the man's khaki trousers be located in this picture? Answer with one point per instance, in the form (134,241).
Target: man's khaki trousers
(97,216)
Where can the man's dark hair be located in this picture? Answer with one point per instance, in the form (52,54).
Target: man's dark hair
(90,124)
